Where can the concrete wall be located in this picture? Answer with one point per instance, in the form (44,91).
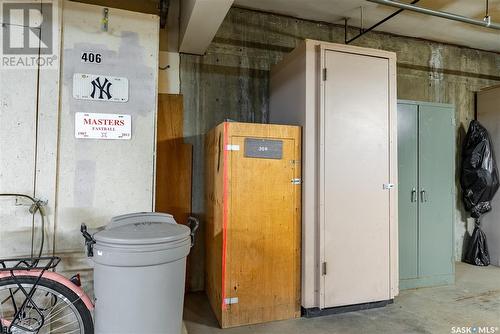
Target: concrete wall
(232,81)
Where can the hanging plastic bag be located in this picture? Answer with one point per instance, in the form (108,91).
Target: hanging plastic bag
(477,251)
(479,177)
(479,181)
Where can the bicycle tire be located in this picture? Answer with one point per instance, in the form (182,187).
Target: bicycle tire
(79,305)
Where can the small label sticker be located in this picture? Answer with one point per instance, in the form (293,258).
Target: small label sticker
(263,148)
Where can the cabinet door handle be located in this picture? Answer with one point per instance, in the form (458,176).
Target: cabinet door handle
(423,195)
(414,195)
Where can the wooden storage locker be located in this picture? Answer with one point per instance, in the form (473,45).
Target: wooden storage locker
(345,99)
(252,202)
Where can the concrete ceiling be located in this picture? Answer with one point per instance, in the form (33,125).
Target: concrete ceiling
(406,24)
(143,6)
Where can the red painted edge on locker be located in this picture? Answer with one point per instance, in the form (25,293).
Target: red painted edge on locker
(224,214)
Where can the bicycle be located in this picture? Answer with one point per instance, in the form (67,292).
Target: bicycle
(36,299)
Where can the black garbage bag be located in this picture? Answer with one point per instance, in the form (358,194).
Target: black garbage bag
(479,174)
(477,251)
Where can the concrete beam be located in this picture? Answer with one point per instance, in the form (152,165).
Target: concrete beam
(199,22)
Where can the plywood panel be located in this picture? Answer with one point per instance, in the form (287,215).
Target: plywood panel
(173,163)
(260,212)
(214,194)
(170,117)
(173,179)
(173,160)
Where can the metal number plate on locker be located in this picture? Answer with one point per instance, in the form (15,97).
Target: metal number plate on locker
(263,148)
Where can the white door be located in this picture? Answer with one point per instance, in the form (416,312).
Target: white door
(18,124)
(355,157)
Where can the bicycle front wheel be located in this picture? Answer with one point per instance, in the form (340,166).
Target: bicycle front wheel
(52,309)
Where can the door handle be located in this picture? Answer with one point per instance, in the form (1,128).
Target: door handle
(413,195)
(423,195)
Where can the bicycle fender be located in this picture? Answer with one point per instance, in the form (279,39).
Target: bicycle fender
(56,277)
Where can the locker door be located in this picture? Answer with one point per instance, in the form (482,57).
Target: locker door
(356,159)
(408,190)
(436,181)
(18,123)
(263,235)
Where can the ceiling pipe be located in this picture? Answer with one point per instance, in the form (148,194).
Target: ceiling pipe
(364,31)
(444,15)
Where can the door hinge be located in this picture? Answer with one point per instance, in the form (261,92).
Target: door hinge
(388,186)
(324,74)
(232,147)
(323,268)
(296,181)
(230,301)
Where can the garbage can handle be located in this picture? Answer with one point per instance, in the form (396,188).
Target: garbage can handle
(89,240)
(193,224)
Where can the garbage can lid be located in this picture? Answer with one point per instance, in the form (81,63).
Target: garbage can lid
(143,233)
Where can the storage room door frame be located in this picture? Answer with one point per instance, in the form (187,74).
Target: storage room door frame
(263,233)
(355,164)
(18,146)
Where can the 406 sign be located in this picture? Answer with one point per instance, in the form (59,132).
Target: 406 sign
(100,88)
(91,57)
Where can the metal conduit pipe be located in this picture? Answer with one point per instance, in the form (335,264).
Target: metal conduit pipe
(444,15)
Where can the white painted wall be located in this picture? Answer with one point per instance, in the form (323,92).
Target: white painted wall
(28,147)
(98,179)
(169,73)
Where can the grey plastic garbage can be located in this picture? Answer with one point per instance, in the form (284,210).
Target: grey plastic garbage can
(139,273)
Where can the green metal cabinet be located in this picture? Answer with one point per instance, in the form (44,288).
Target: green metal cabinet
(426,202)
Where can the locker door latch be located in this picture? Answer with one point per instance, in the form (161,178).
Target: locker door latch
(296,181)
(388,186)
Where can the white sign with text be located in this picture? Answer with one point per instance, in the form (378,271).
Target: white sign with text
(103,126)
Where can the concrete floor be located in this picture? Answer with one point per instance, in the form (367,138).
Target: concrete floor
(474,301)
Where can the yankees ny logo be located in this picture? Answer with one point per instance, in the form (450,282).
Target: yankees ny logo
(103,88)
